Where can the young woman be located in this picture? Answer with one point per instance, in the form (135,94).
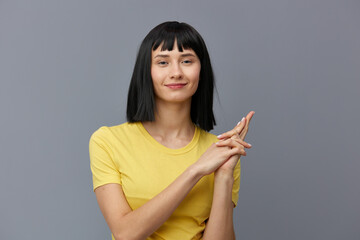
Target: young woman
(161,175)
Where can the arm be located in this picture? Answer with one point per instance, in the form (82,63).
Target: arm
(127,224)
(142,222)
(220,223)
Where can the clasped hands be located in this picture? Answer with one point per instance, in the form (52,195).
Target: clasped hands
(234,139)
(223,156)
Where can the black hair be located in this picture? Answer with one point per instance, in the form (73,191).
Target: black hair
(141,99)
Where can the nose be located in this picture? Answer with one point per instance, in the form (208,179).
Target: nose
(176,72)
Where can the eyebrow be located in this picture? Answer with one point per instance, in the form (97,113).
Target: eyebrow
(182,55)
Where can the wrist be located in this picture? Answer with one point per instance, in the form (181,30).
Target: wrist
(194,172)
(224,175)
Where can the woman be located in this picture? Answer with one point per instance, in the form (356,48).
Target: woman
(161,175)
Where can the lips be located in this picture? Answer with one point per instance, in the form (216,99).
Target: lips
(175,85)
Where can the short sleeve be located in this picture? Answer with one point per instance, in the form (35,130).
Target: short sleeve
(102,163)
(236,185)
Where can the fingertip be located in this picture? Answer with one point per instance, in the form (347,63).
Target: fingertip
(224,136)
(250,114)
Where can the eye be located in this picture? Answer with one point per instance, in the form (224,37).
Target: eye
(162,63)
(187,61)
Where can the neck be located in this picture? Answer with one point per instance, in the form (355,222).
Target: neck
(172,120)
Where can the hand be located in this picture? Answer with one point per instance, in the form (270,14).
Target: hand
(229,165)
(240,129)
(238,134)
(217,154)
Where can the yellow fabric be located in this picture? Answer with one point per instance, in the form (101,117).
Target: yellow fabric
(128,155)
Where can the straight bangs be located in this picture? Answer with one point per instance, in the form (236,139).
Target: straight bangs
(185,36)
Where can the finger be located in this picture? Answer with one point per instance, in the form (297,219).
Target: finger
(243,134)
(250,115)
(236,130)
(242,142)
(223,143)
(236,151)
(233,144)
(240,126)
(239,147)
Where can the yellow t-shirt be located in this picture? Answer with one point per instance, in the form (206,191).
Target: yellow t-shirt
(128,155)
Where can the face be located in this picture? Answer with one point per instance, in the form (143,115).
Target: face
(175,74)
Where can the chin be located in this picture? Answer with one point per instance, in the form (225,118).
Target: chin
(176,99)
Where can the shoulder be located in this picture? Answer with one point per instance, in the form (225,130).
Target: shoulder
(105,133)
(116,133)
(207,136)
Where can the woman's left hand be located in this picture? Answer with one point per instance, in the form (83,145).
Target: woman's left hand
(240,129)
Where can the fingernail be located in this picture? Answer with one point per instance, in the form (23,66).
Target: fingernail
(240,121)
(250,145)
(219,136)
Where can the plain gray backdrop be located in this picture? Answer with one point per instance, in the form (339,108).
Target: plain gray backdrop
(65,68)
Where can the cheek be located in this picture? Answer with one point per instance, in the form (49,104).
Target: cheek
(195,76)
(195,83)
(153,74)
(156,80)
(195,86)
(157,76)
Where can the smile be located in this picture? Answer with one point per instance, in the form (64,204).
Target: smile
(175,85)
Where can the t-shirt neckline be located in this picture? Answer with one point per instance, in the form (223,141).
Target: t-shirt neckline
(163,148)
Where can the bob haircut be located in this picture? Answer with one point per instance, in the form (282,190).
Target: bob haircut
(141,99)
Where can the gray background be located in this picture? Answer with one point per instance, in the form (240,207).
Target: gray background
(65,68)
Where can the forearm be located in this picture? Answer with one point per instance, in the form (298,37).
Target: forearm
(126,223)
(142,222)
(220,223)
